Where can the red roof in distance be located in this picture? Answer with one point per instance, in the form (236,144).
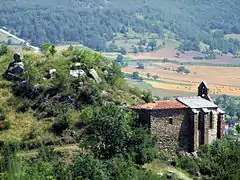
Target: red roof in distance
(160,105)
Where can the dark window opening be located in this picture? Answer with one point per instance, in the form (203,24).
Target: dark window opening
(199,120)
(170,121)
(211,120)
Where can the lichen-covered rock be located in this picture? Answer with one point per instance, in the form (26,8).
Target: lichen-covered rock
(15,68)
(105,73)
(95,76)
(77,73)
(51,73)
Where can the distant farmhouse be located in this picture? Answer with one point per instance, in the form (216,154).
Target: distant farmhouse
(183,124)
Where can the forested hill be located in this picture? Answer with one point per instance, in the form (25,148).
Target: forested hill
(94,22)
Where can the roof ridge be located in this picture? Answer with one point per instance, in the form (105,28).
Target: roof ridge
(164,104)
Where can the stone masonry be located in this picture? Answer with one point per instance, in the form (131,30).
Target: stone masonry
(183,124)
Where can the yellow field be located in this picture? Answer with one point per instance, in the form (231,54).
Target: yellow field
(221,80)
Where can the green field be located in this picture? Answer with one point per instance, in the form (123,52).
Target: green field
(132,38)
(158,91)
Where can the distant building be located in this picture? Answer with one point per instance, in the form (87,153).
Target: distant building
(183,124)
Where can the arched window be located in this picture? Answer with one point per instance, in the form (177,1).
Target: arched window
(170,121)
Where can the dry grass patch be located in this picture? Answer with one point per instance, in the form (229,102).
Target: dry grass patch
(22,123)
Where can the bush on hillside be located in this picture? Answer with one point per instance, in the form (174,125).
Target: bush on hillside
(5,125)
(4,49)
(61,124)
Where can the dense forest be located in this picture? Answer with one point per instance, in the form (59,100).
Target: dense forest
(94,23)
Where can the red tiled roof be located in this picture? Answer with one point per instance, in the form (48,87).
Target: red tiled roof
(169,104)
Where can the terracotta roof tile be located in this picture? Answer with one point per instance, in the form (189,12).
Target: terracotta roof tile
(169,104)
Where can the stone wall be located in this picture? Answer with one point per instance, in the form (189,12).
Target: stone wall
(183,129)
(221,126)
(144,117)
(208,133)
(171,129)
(213,130)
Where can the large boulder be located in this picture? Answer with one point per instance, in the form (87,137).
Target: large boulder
(95,76)
(15,68)
(77,73)
(51,73)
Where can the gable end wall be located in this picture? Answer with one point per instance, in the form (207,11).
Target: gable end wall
(173,136)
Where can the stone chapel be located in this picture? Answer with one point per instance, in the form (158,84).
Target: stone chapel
(183,124)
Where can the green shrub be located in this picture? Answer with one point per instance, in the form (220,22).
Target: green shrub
(61,124)
(88,167)
(147,96)
(4,49)
(7,125)
(2,113)
(2,117)
(189,165)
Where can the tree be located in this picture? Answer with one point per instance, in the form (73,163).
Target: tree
(113,48)
(123,51)
(238,128)
(135,50)
(140,65)
(142,42)
(108,134)
(119,59)
(187,71)
(155,77)
(177,55)
(52,50)
(231,114)
(136,75)
(44,48)
(238,113)
(88,167)
(182,69)
(4,50)
(141,49)
(147,96)
(152,44)
(148,75)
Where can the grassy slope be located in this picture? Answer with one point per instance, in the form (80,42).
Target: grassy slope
(160,167)
(21,123)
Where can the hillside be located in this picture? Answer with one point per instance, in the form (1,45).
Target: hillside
(50,91)
(63,116)
(97,23)
(56,107)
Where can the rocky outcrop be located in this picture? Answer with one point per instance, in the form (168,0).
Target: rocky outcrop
(51,73)
(77,73)
(15,69)
(95,75)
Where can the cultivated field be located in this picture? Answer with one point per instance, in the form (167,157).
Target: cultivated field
(170,53)
(221,80)
(233,36)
